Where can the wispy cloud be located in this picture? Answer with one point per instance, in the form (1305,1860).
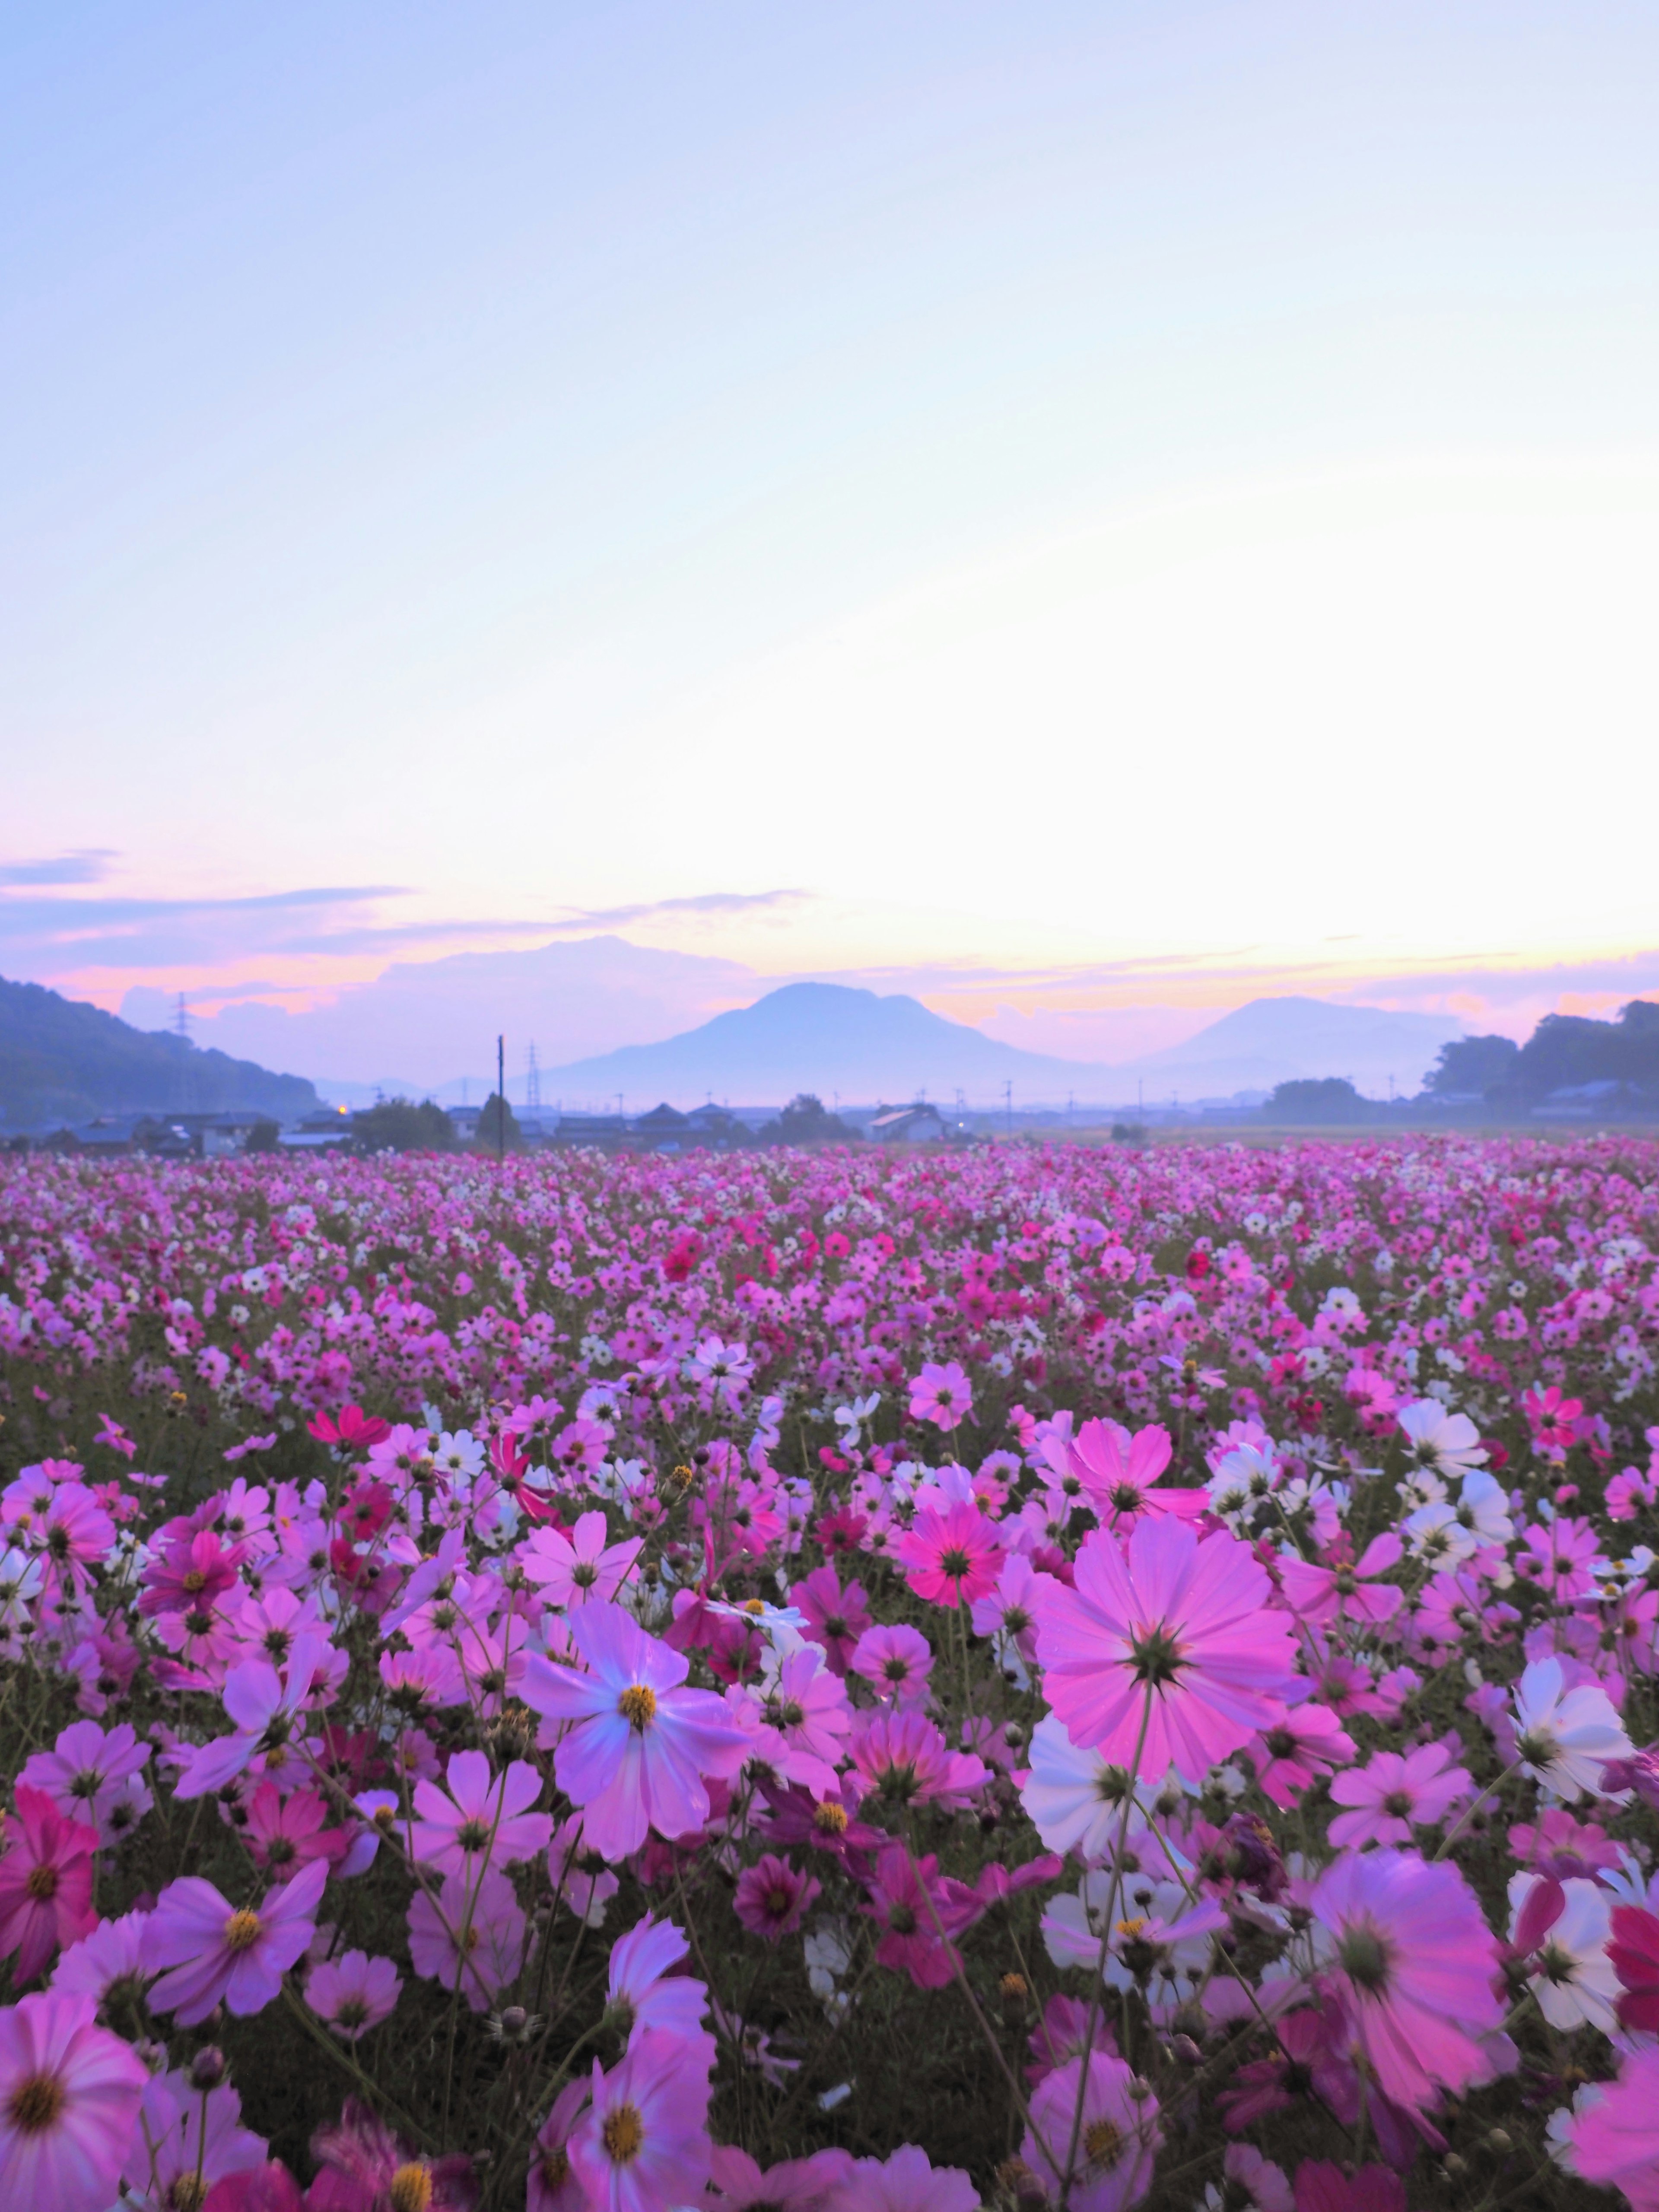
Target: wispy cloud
(710,903)
(89,865)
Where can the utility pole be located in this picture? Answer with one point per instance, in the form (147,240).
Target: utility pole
(501,1100)
(1008,1104)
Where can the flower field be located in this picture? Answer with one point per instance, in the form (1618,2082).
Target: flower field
(1041,1676)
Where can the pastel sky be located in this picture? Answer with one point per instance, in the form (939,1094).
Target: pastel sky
(1070,509)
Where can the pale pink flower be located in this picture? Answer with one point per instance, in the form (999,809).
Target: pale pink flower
(580,1568)
(87,1775)
(1394,1792)
(1116,2144)
(354,1993)
(479,1819)
(643,1746)
(69,2094)
(643,1991)
(941,1394)
(897,1659)
(473,1934)
(643,2144)
(1166,1648)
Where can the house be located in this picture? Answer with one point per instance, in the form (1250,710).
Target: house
(607,1129)
(918,1124)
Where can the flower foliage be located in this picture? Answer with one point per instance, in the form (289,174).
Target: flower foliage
(1031,1676)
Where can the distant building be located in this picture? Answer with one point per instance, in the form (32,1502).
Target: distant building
(609,1130)
(920,1124)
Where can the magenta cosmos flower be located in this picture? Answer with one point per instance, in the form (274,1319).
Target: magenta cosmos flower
(1407,1947)
(1616,2142)
(941,1394)
(368,2168)
(45,1883)
(949,1553)
(69,2094)
(217,1950)
(1170,1635)
(354,1993)
(1394,1792)
(643,1745)
(643,2144)
(771,1897)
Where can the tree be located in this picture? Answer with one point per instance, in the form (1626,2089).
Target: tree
(805,1121)
(265,1137)
(1319,1105)
(1470,1067)
(398,1125)
(494,1133)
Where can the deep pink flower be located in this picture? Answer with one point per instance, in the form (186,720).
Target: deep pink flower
(45,1883)
(1173,1635)
(365,2167)
(1394,1792)
(1323,2187)
(284,1834)
(643,2144)
(1118,1471)
(354,1993)
(69,2094)
(949,1553)
(1408,1950)
(479,1819)
(902,1755)
(1307,1742)
(771,1897)
(1323,1593)
(1616,2142)
(835,1617)
(643,1747)
(218,1951)
(918,1909)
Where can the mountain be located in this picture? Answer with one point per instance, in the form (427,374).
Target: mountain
(62,1060)
(1284,1040)
(826,1037)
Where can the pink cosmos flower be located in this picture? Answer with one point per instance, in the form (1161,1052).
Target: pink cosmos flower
(897,1659)
(354,1993)
(906,2182)
(368,2168)
(283,1834)
(1010,1610)
(580,1568)
(1118,1471)
(738,2182)
(645,1994)
(903,1756)
(941,1395)
(1394,1792)
(1116,2144)
(69,2094)
(951,1553)
(479,1819)
(1321,2186)
(643,2144)
(771,1897)
(1308,1741)
(918,1909)
(218,1951)
(1410,1953)
(473,1932)
(832,1616)
(180,2133)
(1172,1636)
(1616,2142)
(113,1952)
(1322,1593)
(263,1705)
(45,1883)
(87,1775)
(553,2185)
(578,1876)
(643,1746)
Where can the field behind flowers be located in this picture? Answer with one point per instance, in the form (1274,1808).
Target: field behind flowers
(1046,1675)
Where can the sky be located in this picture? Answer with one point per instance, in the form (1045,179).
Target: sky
(1089,513)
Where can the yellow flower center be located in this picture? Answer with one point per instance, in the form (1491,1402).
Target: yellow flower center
(188,2193)
(638,1706)
(35,2103)
(412,2188)
(623,2135)
(1103,2141)
(42,1883)
(830,1819)
(241,1931)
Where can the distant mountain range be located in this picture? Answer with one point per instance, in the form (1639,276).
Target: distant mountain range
(64,1061)
(828,1038)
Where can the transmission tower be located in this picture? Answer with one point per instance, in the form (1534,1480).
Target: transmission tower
(182,1017)
(533,1082)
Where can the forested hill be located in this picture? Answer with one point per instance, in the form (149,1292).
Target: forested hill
(63,1061)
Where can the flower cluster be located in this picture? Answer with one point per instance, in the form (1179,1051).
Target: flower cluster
(1038,1677)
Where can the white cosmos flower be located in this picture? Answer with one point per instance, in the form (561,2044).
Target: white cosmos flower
(1449,1443)
(1575,1982)
(1435,1532)
(1074,1797)
(1563,1737)
(1483,1508)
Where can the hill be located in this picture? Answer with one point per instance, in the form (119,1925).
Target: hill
(1274,1041)
(62,1060)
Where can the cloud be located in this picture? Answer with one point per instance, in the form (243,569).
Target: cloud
(89,865)
(705,902)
